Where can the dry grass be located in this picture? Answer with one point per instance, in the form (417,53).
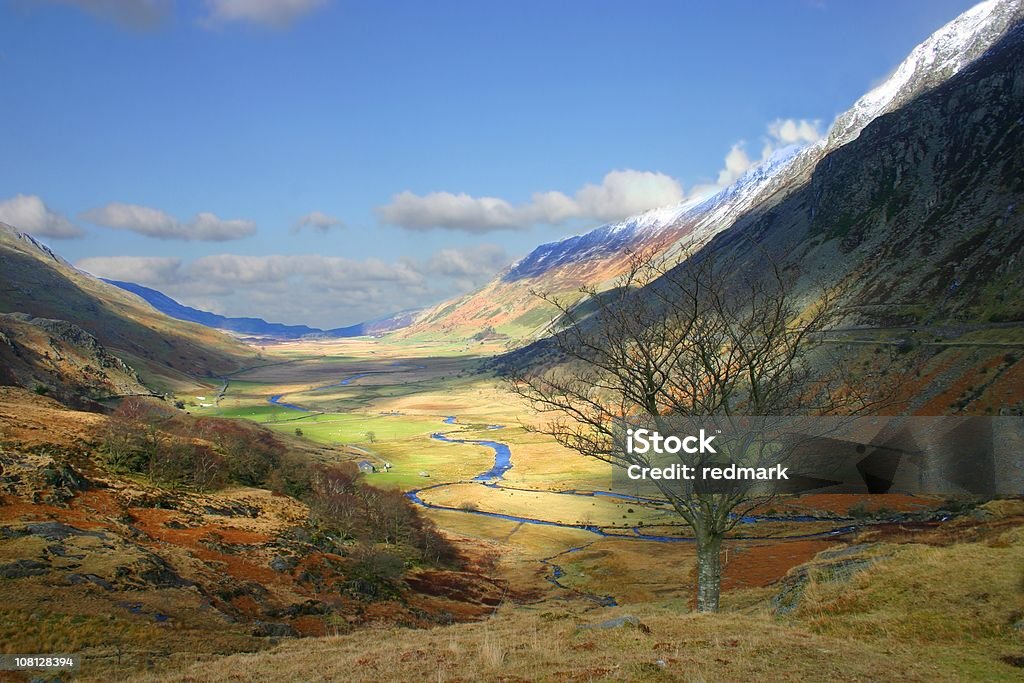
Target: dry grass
(964,593)
(935,608)
(920,613)
(546,645)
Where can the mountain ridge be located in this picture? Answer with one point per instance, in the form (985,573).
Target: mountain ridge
(596,257)
(37,282)
(258,326)
(918,224)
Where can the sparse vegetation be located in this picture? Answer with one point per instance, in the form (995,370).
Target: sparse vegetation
(902,604)
(347,509)
(144,436)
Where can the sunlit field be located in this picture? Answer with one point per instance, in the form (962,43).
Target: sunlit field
(549,519)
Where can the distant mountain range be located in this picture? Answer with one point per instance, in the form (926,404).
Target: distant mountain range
(257,326)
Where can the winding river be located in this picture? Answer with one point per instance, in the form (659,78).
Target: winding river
(503,463)
(493,477)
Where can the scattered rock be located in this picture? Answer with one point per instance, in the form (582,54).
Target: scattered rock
(980,515)
(301,609)
(1013,660)
(58,531)
(300,534)
(162,576)
(792,587)
(57,550)
(22,568)
(616,623)
(63,476)
(269,629)
(845,551)
(90,578)
(282,564)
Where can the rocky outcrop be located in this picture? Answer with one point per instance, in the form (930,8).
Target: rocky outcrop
(60,358)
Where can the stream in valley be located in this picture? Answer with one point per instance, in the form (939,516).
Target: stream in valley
(493,477)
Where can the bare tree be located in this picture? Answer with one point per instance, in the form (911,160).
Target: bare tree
(694,338)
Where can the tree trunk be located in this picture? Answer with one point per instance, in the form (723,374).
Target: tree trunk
(709,571)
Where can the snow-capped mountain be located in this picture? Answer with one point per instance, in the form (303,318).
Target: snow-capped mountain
(943,54)
(700,215)
(596,257)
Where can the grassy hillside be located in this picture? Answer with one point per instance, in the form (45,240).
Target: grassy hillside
(944,605)
(150,536)
(36,281)
(60,359)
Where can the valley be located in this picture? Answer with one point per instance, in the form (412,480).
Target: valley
(545,546)
(459,445)
(456,443)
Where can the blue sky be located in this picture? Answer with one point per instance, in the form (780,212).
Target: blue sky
(326,161)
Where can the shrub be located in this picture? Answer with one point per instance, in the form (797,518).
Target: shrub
(145,436)
(133,436)
(292,477)
(342,504)
(374,574)
(251,453)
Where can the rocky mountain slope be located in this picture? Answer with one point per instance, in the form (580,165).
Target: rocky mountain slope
(59,358)
(920,219)
(595,258)
(40,284)
(922,214)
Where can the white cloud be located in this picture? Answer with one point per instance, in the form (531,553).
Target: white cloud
(625,193)
(273,13)
(324,291)
(138,14)
(203,227)
(29,214)
(552,207)
(318,221)
(789,131)
(137,269)
(449,211)
(780,133)
(620,194)
(737,162)
(468,267)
